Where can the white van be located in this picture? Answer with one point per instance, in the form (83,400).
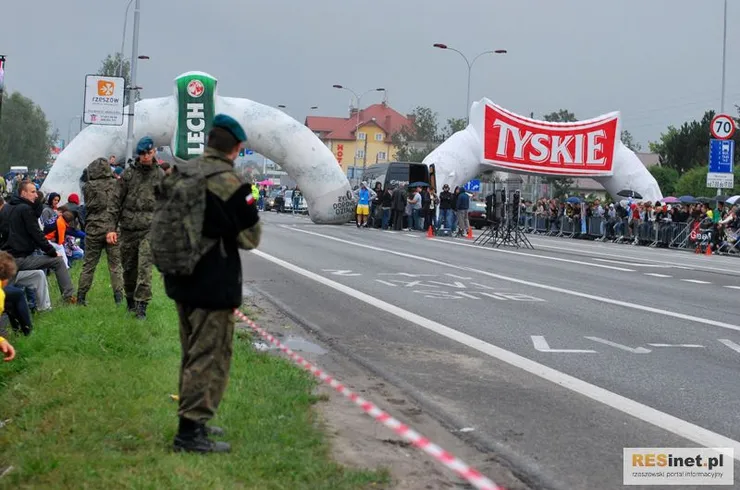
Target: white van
(19,170)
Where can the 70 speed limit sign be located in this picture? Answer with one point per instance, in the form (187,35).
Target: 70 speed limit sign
(723,127)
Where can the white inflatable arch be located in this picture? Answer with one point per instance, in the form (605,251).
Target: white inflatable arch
(182,121)
(499,139)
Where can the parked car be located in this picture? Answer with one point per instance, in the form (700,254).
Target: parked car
(477,214)
(270,203)
(302,206)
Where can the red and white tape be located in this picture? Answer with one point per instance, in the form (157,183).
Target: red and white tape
(471,475)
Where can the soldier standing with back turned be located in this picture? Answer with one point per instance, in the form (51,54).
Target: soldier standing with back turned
(132,211)
(215,215)
(99,188)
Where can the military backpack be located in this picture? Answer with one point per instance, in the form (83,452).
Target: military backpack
(176,238)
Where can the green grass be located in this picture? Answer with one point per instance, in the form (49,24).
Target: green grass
(89,401)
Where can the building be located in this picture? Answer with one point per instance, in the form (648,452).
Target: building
(363,138)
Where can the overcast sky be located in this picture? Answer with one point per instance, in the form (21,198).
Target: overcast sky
(657,61)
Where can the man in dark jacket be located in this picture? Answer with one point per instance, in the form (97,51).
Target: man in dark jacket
(132,210)
(99,190)
(206,299)
(399,207)
(25,236)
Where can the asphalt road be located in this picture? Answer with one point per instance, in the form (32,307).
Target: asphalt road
(557,357)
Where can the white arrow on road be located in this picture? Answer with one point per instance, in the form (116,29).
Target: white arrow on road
(634,350)
(541,345)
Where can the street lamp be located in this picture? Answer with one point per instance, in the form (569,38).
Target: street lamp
(358,98)
(123,38)
(470,68)
(132,88)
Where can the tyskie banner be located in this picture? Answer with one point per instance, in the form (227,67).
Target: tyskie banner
(578,149)
(196,104)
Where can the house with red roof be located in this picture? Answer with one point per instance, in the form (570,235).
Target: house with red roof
(363,138)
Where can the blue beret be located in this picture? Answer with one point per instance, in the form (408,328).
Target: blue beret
(231,125)
(145,145)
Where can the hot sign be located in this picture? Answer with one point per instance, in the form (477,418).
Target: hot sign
(579,149)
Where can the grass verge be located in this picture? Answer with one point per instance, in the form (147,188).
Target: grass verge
(88,397)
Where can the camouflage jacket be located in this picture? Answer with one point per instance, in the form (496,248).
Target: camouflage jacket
(99,189)
(135,201)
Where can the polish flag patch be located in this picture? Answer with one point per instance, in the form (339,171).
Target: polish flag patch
(250,199)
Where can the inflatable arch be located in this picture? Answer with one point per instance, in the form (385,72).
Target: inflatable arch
(499,139)
(182,121)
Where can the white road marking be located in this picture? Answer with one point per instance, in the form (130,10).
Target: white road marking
(662,420)
(732,345)
(696,346)
(569,292)
(733,287)
(696,281)
(338,272)
(463,277)
(386,283)
(541,345)
(656,275)
(632,263)
(412,235)
(535,256)
(634,350)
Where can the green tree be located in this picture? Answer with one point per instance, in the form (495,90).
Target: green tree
(414,143)
(667,179)
(694,183)
(630,142)
(453,126)
(110,67)
(561,186)
(24,133)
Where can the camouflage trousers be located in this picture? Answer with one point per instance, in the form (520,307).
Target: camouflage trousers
(136,256)
(94,246)
(206,337)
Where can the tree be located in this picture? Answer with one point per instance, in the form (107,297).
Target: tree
(561,185)
(24,134)
(414,143)
(694,183)
(453,126)
(666,177)
(110,68)
(629,141)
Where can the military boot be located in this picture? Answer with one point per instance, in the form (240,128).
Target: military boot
(117,297)
(81,301)
(130,305)
(141,310)
(192,437)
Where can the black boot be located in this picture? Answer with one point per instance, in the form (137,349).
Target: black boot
(141,310)
(192,437)
(81,301)
(214,430)
(117,297)
(130,305)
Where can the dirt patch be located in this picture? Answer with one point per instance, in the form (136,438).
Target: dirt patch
(359,441)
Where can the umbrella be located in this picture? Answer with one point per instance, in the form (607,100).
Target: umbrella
(688,199)
(418,184)
(703,200)
(671,200)
(720,198)
(733,199)
(265,182)
(573,200)
(629,193)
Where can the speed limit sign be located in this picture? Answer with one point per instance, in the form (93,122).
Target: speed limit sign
(723,127)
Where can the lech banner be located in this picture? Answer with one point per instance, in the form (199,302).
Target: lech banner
(196,104)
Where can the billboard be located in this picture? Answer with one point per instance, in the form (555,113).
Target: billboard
(103,100)
(577,149)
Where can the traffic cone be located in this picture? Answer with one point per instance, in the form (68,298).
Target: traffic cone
(470,233)
(709,250)
(430,233)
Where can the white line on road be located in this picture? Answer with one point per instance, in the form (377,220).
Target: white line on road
(733,287)
(634,350)
(732,345)
(667,422)
(695,346)
(632,263)
(569,292)
(656,275)
(696,281)
(534,256)
(541,345)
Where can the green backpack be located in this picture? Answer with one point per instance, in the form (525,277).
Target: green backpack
(176,237)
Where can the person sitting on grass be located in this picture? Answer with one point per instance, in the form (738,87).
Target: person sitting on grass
(8,269)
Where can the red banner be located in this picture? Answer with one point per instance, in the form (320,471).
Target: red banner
(579,149)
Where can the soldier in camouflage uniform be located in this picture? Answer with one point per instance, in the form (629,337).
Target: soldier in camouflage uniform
(206,298)
(133,208)
(99,188)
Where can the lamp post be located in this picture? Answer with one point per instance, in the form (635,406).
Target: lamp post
(2,81)
(470,69)
(358,98)
(133,87)
(123,38)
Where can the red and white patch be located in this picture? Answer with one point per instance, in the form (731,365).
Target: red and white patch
(250,199)
(196,88)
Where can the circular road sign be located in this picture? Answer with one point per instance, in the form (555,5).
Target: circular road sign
(723,127)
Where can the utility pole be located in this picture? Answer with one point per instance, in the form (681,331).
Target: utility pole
(132,88)
(2,82)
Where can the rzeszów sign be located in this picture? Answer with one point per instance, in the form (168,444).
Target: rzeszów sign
(579,149)
(103,104)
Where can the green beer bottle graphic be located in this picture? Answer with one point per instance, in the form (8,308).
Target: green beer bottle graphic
(196,102)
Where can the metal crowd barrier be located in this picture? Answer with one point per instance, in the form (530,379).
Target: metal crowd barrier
(664,234)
